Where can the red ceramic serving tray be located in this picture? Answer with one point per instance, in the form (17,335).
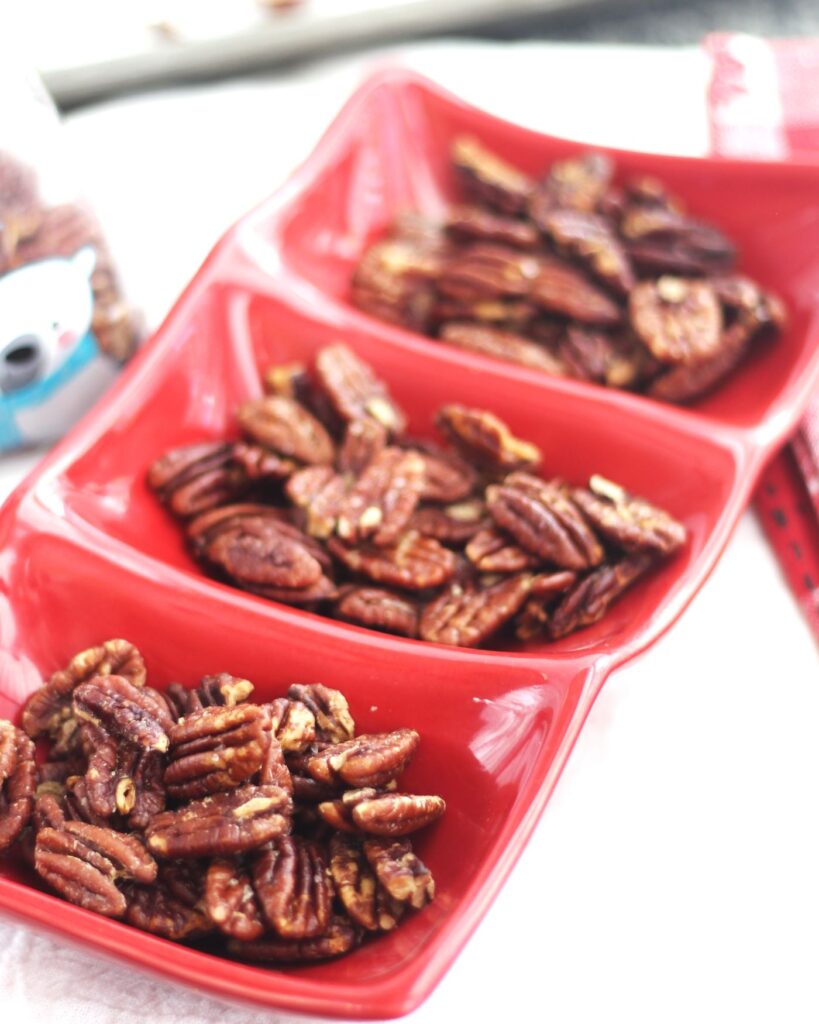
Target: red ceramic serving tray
(87,553)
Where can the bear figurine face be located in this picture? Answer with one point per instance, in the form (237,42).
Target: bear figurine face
(45,310)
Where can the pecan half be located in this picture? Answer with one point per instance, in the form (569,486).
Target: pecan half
(215,749)
(588,237)
(322,590)
(84,862)
(257,551)
(688,381)
(340,937)
(77,804)
(354,390)
(285,426)
(274,769)
(368,760)
(393,280)
(488,178)
(663,240)
(414,563)
(131,713)
(450,524)
(197,477)
(511,348)
(364,440)
(491,550)
(366,901)
(382,814)
(219,690)
(334,723)
(543,520)
(561,289)
(465,616)
(483,272)
(259,464)
(290,879)
(378,609)
(226,823)
(157,910)
(293,722)
(679,321)
(447,477)
(321,493)
(230,901)
(400,871)
(380,503)
(589,599)
(18,782)
(631,523)
(474,224)
(483,438)
(578,183)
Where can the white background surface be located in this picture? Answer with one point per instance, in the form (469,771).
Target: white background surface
(673,876)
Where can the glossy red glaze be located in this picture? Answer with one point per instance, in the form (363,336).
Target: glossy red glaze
(87,553)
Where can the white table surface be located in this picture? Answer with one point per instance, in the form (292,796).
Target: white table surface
(673,876)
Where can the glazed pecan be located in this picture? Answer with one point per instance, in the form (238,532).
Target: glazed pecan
(589,238)
(219,690)
(474,224)
(679,320)
(414,563)
(84,862)
(589,599)
(230,901)
(226,823)
(366,901)
(337,813)
(484,439)
(487,178)
(293,722)
(354,390)
(533,618)
(617,360)
(578,183)
(197,477)
(663,240)
(368,760)
(450,524)
(400,871)
(215,749)
(285,426)
(333,721)
(48,809)
(322,590)
(259,464)
(380,503)
(465,616)
(260,552)
(321,493)
(629,522)
(149,789)
(484,271)
(447,477)
(340,937)
(48,710)
(18,782)
(393,280)
(382,814)
(378,609)
(688,381)
(77,804)
(274,770)
(290,879)
(127,712)
(559,288)
(491,550)
(157,910)
(505,345)
(109,779)
(514,315)
(364,440)
(756,309)
(543,520)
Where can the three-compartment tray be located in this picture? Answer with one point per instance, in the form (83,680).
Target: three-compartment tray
(87,553)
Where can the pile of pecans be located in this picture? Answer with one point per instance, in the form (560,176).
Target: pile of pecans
(326,503)
(574,275)
(195,813)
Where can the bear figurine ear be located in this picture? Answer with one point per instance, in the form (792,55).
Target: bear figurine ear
(85,259)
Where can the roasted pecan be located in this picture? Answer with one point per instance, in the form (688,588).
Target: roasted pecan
(380,503)
(337,813)
(274,770)
(378,609)
(588,238)
(130,713)
(149,788)
(109,783)
(219,690)
(502,345)
(290,879)
(48,710)
(447,477)
(322,590)
(578,183)
(484,271)
(688,381)
(474,224)
(226,823)
(513,315)
(48,809)
(561,289)
(77,804)
(215,749)
(197,477)
(589,599)
(230,901)
(483,438)
(400,871)
(18,782)
(680,321)
(364,440)
(293,722)
(533,618)
(487,178)
(543,520)
(660,239)
(340,937)
(381,814)
(321,493)
(285,426)
(414,563)
(368,760)
(84,862)
(259,464)
(466,616)
(450,524)
(491,550)
(366,901)
(631,523)
(754,308)
(155,909)
(354,390)
(393,280)
(259,552)
(334,723)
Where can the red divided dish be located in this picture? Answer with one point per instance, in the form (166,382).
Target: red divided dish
(87,553)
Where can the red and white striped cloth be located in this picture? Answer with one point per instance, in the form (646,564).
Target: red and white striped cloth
(763,101)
